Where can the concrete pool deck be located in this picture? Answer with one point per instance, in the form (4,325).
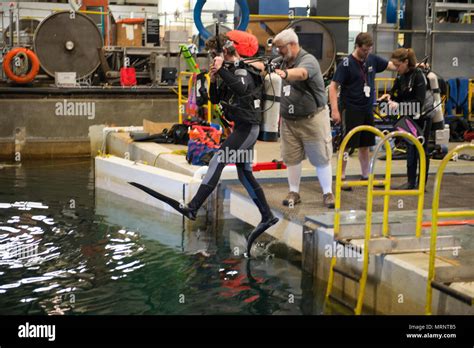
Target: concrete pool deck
(155,166)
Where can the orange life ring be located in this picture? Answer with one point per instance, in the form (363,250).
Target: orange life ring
(34,62)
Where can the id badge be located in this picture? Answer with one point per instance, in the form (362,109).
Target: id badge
(287,90)
(367,91)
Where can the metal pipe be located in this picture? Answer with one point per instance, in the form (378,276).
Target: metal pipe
(321,18)
(431,26)
(462,297)
(414,31)
(109,32)
(3,26)
(376,23)
(18,24)
(453,32)
(11,27)
(398,14)
(427,23)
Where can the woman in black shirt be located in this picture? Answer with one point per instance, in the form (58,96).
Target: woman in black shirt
(407,98)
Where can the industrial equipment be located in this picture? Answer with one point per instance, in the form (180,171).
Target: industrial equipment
(68,42)
(27,30)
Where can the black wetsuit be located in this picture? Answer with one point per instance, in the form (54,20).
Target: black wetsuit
(236,93)
(239,95)
(411,88)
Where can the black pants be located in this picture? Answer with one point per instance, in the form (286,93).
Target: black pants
(413,157)
(353,117)
(238,149)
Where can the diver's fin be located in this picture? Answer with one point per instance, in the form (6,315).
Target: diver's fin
(261,227)
(183,209)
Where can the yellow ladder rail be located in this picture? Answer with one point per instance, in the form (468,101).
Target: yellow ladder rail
(342,155)
(420,192)
(435,215)
(386,193)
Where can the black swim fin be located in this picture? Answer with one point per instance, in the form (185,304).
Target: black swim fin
(183,209)
(261,227)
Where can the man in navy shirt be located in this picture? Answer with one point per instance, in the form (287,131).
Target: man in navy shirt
(356,76)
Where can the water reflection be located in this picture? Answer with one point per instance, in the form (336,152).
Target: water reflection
(68,249)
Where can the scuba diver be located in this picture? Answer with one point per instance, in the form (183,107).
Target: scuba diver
(238,88)
(410,88)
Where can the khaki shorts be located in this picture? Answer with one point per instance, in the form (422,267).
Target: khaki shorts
(309,137)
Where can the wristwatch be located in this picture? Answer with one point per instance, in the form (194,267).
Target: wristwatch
(286,74)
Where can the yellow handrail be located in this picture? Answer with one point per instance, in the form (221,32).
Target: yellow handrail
(386,193)
(181,100)
(342,155)
(435,215)
(386,82)
(420,192)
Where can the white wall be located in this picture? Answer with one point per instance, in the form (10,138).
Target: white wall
(366,11)
(365,8)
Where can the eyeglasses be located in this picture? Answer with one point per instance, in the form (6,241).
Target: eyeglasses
(280,47)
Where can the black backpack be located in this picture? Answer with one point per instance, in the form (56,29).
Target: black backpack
(457,128)
(179,134)
(258,92)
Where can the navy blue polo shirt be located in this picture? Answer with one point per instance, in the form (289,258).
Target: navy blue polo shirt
(353,75)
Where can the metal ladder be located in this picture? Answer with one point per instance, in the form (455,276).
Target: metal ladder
(361,277)
(441,277)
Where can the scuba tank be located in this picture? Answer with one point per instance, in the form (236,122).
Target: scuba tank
(271,116)
(434,87)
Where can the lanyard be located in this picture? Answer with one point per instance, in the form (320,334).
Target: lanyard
(364,73)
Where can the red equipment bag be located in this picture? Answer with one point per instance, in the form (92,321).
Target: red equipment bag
(128,77)
(274,165)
